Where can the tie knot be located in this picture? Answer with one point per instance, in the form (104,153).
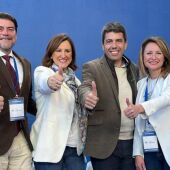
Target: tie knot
(6,57)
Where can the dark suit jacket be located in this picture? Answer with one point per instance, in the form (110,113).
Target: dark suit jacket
(104,123)
(8,128)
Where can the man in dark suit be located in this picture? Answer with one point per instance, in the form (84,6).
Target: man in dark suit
(15,146)
(107,82)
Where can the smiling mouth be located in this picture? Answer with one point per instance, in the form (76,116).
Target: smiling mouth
(5,38)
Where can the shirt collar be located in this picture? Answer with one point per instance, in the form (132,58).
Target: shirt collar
(10,54)
(124,60)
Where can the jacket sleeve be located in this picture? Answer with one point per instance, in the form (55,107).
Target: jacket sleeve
(87,79)
(160,102)
(31,107)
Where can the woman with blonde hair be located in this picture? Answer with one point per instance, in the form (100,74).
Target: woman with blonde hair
(151,147)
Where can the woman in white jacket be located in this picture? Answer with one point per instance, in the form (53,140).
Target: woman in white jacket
(58,133)
(151,147)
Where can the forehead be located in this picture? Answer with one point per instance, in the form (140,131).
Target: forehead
(6,23)
(65,44)
(152,46)
(114,35)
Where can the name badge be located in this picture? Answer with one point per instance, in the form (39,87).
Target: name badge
(150,141)
(16,109)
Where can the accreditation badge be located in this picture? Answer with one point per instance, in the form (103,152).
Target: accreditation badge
(150,141)
(16,109)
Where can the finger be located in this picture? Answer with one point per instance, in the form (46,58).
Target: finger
(128,102)
(94,90)
(60,71)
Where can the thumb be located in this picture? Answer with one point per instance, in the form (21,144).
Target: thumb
(60,71)
(128,102)
(94,90)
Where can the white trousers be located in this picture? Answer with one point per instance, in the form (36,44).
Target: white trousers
(18,156)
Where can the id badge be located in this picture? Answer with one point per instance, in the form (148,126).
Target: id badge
(16,109)
(150,141)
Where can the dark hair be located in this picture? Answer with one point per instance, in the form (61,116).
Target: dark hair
(113,27)
(53,45)
(9,17)
(165,51)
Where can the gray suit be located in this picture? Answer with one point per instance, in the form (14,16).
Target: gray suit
(104,122)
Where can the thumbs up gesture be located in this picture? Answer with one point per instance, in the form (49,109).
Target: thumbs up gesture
(91,98)
(1,103)
(55,81)
(132,110)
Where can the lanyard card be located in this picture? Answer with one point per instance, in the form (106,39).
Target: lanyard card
(150,142)
(16,109)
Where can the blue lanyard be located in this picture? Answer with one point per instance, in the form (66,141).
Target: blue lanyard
(146,91)
(16,70)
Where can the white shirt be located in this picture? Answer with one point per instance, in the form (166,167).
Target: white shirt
(19,65)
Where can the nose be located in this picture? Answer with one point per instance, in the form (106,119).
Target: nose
(63,54)
(154,55)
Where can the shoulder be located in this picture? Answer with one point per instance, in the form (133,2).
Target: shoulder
(21,58)
(43,69)
(93,62)
(141,82)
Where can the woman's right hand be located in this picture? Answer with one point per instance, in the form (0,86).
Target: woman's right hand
(139,163)
(55,81)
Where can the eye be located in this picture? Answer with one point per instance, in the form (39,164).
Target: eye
(158,53)
(1,28)
(119,40)
(68,51)
(108,41)
(149,53)
(58,50)
(12,29)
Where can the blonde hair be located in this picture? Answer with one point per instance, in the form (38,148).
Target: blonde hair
(165,51)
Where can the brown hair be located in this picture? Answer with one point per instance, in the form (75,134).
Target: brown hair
(115,27)
(9,17)
(53,45)
(165,51)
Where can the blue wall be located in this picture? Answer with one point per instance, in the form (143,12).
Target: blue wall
(40,20)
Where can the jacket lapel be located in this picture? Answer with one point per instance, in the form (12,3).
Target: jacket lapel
(26,74)
(106,70)
(6,75)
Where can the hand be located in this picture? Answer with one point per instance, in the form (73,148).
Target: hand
(131,111)
(91,98)
(55,82)
(139,163)
(1,103)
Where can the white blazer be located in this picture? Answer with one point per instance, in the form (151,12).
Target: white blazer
(158,112)
(51,128)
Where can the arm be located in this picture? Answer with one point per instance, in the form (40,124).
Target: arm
(31,107)
(138,144)
(148,108)
(87,90)
(46,81)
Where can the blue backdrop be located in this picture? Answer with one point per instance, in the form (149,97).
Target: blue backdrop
(40,20)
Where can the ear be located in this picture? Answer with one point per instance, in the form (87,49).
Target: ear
(103,47)
(126,44)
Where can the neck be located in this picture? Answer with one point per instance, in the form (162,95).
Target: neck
(118,63)
(154,74)
(6,51)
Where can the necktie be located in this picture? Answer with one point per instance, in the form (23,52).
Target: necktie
(12,73)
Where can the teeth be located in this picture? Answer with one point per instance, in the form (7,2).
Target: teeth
(4,39)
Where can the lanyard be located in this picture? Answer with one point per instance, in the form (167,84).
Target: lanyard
(146,91)
(16,70)
(147,97)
